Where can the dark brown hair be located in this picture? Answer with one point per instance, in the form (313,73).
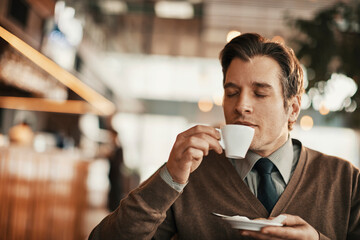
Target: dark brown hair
(249,45)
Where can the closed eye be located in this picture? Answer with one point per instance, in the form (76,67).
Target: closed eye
(262,90)
(232,94)
(259,95)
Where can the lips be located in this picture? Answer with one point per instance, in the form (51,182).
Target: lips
(246,123)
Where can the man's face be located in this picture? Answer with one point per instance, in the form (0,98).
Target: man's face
(253,96)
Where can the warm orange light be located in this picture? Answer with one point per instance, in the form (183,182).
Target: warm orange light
(306,123)
(47,105)
(205,105)
(232,34)
(323,110)
(103,105)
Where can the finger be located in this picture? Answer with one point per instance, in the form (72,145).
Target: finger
(281,232)
(287,229)
(189,161)
(202,129)
(258,235)
(213,142)
(210,134)
(193,157)
(201,141)
(192,154)
(197,142)
(294,228)
(292,220)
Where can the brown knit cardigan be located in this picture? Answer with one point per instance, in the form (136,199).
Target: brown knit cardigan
(323,190)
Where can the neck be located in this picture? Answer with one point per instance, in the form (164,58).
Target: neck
(272,147)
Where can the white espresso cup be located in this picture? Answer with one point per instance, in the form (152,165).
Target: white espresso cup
(236,140)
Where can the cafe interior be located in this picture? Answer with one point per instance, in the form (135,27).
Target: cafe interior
(94,92)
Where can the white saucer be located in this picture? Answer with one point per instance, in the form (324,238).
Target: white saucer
(244,223)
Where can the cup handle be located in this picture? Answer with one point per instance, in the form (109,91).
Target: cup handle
(221,141)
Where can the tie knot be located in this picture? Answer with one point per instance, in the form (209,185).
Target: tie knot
(264,166)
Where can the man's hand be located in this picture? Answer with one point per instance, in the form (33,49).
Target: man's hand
(189,149)
(294,228)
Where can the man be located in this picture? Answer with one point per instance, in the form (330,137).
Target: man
(318,194)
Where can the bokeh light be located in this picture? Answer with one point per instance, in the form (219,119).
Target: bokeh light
(323,110)
(334,94)
(232,34)
(205,105)
(306,123)
(218,100)
(305,101)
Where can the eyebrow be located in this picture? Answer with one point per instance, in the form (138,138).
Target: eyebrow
(262,85)
(254,84)
(230,84)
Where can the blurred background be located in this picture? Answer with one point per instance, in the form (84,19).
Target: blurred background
(94,92)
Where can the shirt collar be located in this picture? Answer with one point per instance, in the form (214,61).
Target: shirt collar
(281,158)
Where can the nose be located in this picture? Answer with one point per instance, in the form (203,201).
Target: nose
(244,104)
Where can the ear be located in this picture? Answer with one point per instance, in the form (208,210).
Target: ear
(294,108)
